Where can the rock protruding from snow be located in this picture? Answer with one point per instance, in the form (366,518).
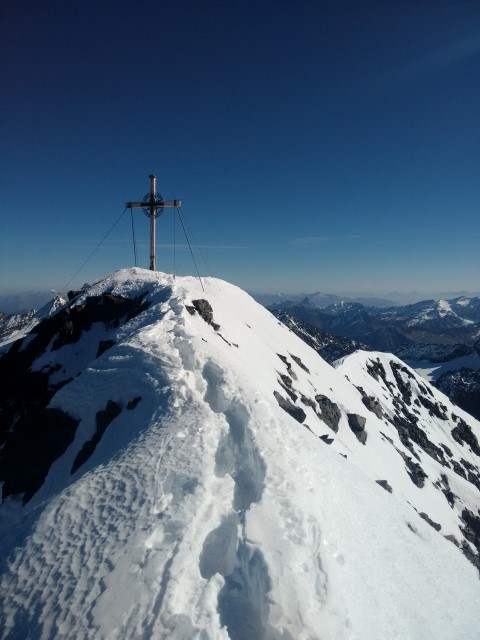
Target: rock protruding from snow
(329,412)
(357,425)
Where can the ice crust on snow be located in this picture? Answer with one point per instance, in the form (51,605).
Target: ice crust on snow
(207,511)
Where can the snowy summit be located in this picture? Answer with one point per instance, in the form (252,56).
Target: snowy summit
(176,463)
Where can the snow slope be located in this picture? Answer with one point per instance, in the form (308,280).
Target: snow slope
(227,497)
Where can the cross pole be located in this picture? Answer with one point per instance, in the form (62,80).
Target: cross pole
(153,205)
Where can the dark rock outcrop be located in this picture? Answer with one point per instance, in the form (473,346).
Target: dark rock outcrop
(133,403)
(471,531)
(433,524)
(104,345)
(357,425)
(404,387)
(462,433)
(40,437)
(462,386)
(33,436)
(373,405)
(385,485)
(296,412)
(300,363)
(103,419)
(329,412)
(205,311)
(415,472)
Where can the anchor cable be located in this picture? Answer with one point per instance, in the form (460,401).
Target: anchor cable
(174,245)
(133,235)
(198,247)
(94,251)
(189,246)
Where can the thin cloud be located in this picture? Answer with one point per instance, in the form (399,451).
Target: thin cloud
(142,243)
(201,246)
(311,239)
(433,62)
(319,239)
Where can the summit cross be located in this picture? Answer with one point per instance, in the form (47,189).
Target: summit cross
(153,205)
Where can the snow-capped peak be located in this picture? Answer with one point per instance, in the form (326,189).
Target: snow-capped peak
(187,467)
(444,307)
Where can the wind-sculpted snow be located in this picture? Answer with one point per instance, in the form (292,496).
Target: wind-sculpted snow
(191,504)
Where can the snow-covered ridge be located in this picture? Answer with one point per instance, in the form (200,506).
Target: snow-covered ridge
(17,326)
(221,480)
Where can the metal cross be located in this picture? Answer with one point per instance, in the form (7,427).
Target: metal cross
(153,205)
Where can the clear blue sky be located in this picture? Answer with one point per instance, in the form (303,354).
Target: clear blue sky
(321,145)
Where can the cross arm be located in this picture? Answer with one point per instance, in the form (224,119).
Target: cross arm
(157,203)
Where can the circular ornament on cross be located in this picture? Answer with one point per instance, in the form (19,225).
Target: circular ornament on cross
(156,201)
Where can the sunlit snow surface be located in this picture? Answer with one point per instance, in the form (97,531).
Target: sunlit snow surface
(207,511)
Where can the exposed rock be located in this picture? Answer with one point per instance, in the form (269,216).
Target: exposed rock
(447,450)
(433,524)
(376,369)
(288,389)
(373,405)
(384,435)
(68,324)
(329,412)
(444,486)
(471,531)
(133,402)
(408,429)
(205,310)
(285,360)
(462,433)
(416,473)
(357,425)
(462,386)
(296,412)
(103,419)
(308,402)
(288,364)
(459,470)
(404,387)
(326,439)
(300,363)
(470,555)
(32,435)
(385,485)
(286,380)
(39,438)
(104,345)
(434,408)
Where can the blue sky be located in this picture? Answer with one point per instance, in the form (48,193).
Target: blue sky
(322,145)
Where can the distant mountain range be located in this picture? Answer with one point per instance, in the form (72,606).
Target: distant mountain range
(428,322)
(322,300)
